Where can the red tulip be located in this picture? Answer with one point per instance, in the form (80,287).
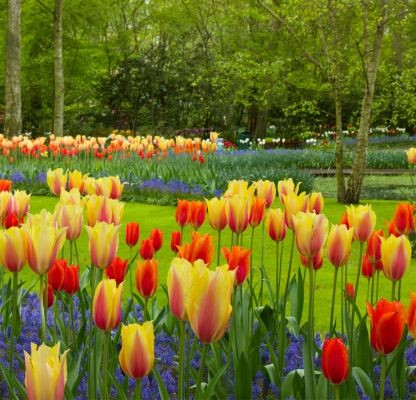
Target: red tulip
(71,281)
(387,324)
(374,246)
(132,233)
(50,296)
(146,277)
(349,291)
(316,261)
(147,250)
(238,259)
(367,267)
(183,213)
(175,241)
(56,275)
(198,211)
(403,218)
(117,270)
(335,361)
(156,235)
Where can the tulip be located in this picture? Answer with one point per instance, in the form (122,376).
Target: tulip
(76,180)
(208,303)
(395,255)
(179,280)
(349,291)
(72,197)
(339,245)
(132,234)
(411,155)
(137,356)
(103,244)
(56,274)
(45,376)
(116,187)
(156,236)
(183,213)
(237,213)
(106,306)
(5,185)
(117,211)
(50,296)
(367,267)
(198,213)
(147,250)
(200,248)
(238,259)
(335,361)
(71,280)
(6,203)
(411,315)
(311,231)
(98,210)
(315,262)
(20,203)
(374,246)
(257,210)
(13,249)
(286,186)
(146,277)
(363,220)
(56,180)
(266,190)
(217,213)
(344,220)
(70,217)
(117,270)
(11,221)
(239,188)
(316,202)
(403,218)
(387,321)
(293,204)
(392,228)
(175,241)
(275,224)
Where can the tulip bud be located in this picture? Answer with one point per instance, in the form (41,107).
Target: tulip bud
(237,213)
(363,220)
(266,190)
(286,186)
(156,236)
(132,233)
(349,291)
(146,277)
(411,155)
(403,218)
(275,224)
(374,246)
(367,267)
(293,204)
(56,180)
(13,249)
(103,244)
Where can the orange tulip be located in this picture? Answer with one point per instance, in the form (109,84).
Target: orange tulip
(395,255)
(5,185)
(335,361)
(200,248)
(198,213)
(339,245)
(266,190)
(316,202)
(363,220)
(311,231)
(349,293)
(146,277)
(183,213)
(387,324)
(256,215)
(411,315)
(217,213)
(208,303)
(179,280)
(106,307)
(275,224)
(403,218)
(344,220)
(156,236)
(374,246)
(293,204)
(175,241)
(237,213)
(238,259)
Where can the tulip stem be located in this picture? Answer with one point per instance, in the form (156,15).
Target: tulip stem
(218,247)
(277,276)
(138,391)
(357,281)
(76,252)
(105,366)
(131,274)
(382,376)
(334,287)
(310,356)
(14,312)
(393,290)
(70,252)
(181,359)
(145,312)
(378,278)
(336,389)
(262,262)
(342,300)
(372,289)
(42,308)
(201,371)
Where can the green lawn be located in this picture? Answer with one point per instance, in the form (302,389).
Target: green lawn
(163,217)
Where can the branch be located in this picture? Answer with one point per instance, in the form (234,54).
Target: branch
(306,53)
(45,7)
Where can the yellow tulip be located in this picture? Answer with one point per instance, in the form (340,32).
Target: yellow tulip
(286,186)
(103,243)
(76,180)
(6,203)
(45,376)
(294,203)
(56,180)
(266,190)
(20,205)
(275,224)
(217,213)
(70,197)
(13,249)
(363,220)
(339,244)
(411,155)
(117,211)
(208,303)
(137,352)
(396,253)
(316,202)
(70,216)
(106,306)
(239,187)
(98,209)
(311,231)
(238,213)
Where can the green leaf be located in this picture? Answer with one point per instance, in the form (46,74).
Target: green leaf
(209,389)
(289,386)
(364,381)
(322,388)
(243,379)
(161,385)
(363,353)
(121,394)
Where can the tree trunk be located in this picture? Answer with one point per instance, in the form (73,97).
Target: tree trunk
(13,100)
(339,146)
(261,124)
(357,176)
(58,105)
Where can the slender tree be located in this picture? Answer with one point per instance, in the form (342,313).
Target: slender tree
(13,101)
(58,104)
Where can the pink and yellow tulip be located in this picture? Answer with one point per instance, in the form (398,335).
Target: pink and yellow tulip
(395,255)
(103,243)
(106,307)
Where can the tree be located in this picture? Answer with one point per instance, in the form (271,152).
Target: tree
(58,104)
(13,101)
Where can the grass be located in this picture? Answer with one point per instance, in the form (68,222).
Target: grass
(150,216)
